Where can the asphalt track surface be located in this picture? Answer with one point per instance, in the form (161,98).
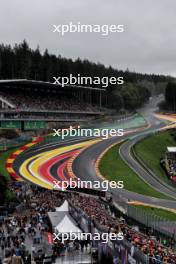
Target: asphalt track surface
(84,164)
(42,164)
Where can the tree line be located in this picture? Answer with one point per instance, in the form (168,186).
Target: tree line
(20,61)
(170,97)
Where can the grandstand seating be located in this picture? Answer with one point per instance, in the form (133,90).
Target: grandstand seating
(38,101)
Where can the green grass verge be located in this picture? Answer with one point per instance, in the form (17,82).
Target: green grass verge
(158,212)
(115,169)
(152,149)
(3,158)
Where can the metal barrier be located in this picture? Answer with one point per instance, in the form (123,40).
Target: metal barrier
(155,222)
(86,224)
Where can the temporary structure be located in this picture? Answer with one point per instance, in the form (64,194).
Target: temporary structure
(68,225)
(63,207)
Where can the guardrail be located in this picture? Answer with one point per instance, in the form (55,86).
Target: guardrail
(156,223)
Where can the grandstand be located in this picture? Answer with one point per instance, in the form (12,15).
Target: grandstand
(23,99)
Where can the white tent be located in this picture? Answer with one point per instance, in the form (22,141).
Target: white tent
(56,217)
(63,207)
(67,226)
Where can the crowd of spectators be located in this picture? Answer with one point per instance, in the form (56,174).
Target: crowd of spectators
(172,167)
(28,100)
(32,223)
(12,239)
(149,246)
(27,226)
(169,166)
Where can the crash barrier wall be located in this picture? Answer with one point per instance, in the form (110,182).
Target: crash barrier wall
(92,124)
(155,222)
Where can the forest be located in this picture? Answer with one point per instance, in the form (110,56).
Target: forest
(22,62)
(170,98)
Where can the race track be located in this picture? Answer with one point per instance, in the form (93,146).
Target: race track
(46,163)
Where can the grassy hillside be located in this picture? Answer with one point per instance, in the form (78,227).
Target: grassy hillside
(152,149)
(3,158)
(114,168)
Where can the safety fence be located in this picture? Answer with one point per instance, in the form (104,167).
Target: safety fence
(153,221)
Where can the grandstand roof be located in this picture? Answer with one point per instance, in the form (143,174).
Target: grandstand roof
(42,84)
(171,149)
